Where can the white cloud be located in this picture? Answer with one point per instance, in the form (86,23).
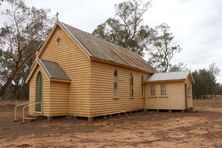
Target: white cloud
(196,24)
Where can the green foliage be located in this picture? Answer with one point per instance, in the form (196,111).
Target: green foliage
(20,36)
(162,48)
(214,69)
(218,89)
(205,82)
(178,67)
(125,29)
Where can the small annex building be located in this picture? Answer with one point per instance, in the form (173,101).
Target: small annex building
(170,90)
(78,74)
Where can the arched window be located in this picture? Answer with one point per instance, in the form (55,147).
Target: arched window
(142,86)
(131,85)
(115,86)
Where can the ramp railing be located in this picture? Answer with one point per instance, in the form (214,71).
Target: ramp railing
(23,111)
(16,108)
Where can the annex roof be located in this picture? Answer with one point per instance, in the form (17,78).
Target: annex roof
(170,76)
(107,51)
(52,69)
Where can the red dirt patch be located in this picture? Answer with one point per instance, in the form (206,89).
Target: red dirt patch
(144,129)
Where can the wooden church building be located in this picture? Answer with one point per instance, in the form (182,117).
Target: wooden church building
(78,74)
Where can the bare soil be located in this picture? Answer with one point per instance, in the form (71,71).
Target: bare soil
(202,128)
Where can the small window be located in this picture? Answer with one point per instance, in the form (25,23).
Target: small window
(142,86)
(131,85)
(152,90)
(58,40)
(163,89)
(115,83)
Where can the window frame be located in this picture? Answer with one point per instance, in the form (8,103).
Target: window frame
(115,83)
(131,86)
(142,86)
(152,90)
(163,92)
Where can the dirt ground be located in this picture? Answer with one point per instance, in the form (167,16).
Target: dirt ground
(143,129)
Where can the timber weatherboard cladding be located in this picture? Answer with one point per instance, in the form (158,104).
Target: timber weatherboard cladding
(76,64)
(102,93)
(90,91)
(59,100)
(189,97)
(174,99)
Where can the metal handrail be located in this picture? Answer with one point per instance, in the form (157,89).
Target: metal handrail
(23,111)
(17,107)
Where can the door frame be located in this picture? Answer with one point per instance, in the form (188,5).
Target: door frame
(186,105)
(38,93)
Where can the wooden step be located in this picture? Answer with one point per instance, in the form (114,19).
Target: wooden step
(38,116)
(31,118)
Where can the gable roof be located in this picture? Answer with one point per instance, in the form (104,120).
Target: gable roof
(106,51)
(52,69)
(170,76)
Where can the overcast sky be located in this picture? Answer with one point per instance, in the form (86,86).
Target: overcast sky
(196,24)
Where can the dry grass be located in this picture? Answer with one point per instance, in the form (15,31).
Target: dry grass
(145,129)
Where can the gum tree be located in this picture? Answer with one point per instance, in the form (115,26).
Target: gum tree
(22,33)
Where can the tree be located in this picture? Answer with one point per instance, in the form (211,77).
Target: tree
(205,82)
(20,36)
(218,89)
(201,78)
(125,29)
(214,69)
(162,48)
(178,67)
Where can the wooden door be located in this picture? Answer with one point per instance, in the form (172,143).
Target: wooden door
(38,96)
(186,96)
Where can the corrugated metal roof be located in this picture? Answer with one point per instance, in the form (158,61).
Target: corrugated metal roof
(102,49)
(169,76)
(53,70)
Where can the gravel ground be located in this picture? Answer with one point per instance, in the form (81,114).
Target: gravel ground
(202,128)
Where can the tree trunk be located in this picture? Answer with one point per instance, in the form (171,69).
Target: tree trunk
(8,82)
(17,90)
(13,75)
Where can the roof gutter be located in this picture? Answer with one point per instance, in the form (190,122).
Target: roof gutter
(119,65)
(167,81)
